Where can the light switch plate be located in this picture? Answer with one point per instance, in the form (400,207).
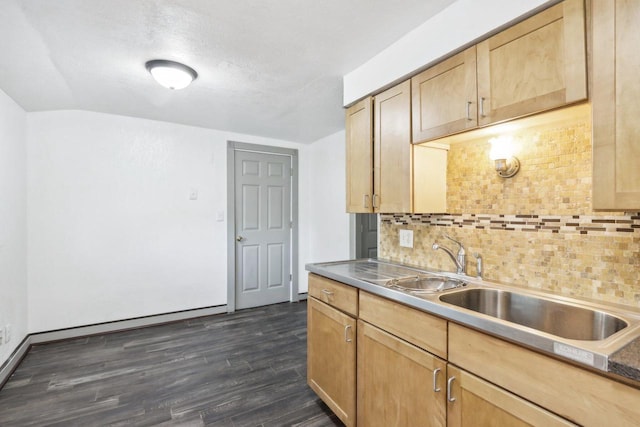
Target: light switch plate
(193,194)
(406,238)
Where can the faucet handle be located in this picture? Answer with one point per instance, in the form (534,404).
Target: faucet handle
(461,248)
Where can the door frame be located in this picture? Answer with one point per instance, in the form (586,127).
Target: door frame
(232,147)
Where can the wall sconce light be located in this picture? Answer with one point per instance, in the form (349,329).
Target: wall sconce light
(170,74)
(506,164)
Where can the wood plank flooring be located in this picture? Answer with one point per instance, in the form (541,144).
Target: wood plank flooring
(241,369)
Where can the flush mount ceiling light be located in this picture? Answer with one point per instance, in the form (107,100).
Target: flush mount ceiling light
(170,74)
(506,164)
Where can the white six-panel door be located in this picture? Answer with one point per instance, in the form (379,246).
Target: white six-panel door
(263,228)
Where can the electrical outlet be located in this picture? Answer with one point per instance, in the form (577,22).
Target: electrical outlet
(7,333)
(406,238)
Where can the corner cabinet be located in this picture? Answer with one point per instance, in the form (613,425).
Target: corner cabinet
(615,106)
(378,152)
(536,65)
(331,345)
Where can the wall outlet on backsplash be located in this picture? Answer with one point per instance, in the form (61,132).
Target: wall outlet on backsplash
(406,238)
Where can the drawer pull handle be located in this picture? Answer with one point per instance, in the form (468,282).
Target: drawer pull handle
(435,380)
(346,333)
(327,292)
(450,398)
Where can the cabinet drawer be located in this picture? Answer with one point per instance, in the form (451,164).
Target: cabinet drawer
(336,294)
(417,327)
(571,392)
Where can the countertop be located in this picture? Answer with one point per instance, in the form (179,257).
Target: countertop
(626,361)
(618,354)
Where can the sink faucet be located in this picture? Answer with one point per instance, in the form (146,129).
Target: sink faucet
(460,260)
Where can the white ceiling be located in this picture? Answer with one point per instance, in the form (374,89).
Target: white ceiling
(266,67)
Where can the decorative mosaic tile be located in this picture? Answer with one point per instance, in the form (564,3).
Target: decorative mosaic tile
(576,224)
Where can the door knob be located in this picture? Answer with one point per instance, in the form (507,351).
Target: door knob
(239,239)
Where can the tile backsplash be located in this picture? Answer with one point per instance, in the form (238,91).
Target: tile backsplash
(536,229)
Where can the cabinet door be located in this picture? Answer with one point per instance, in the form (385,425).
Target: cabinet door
(331,358)
(533,66)
(398,383)
(392,150)
(444,98)
(359,133)
(473,402)
(574,393)
(616,90)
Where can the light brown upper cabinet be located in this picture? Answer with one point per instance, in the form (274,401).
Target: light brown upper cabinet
(615,106)
(378,140)
(536,65)
(443,97)
(359,135)
(392,150)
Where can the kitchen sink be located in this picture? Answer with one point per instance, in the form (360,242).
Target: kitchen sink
(556,318)
(425,284)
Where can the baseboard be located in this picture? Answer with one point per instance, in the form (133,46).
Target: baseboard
(14,360)
(18,354)
(121,325)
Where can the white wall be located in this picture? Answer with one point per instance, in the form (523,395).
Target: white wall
(323,203)
(458,25)
(112,232)
(13,227)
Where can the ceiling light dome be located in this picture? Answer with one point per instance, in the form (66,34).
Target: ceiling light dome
(171,74)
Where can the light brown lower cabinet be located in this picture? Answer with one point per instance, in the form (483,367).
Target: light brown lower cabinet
(331,358)
(476,380)
(398,384)
(574,393)
(473,402)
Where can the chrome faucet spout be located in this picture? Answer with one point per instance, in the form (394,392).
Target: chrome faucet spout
(459,260)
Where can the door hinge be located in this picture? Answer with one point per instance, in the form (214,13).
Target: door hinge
(291,173)
(291,224)
(290,277)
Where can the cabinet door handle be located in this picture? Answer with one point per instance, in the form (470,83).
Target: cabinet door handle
(375,205)
(469,111)
(327,292)
(366,201)
(435,380)
(450,398)
(482,106)
(346,333)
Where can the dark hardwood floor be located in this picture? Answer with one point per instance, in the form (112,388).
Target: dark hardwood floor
(242,369)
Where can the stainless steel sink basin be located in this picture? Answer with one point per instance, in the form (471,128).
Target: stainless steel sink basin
(562,320)
(425,284)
